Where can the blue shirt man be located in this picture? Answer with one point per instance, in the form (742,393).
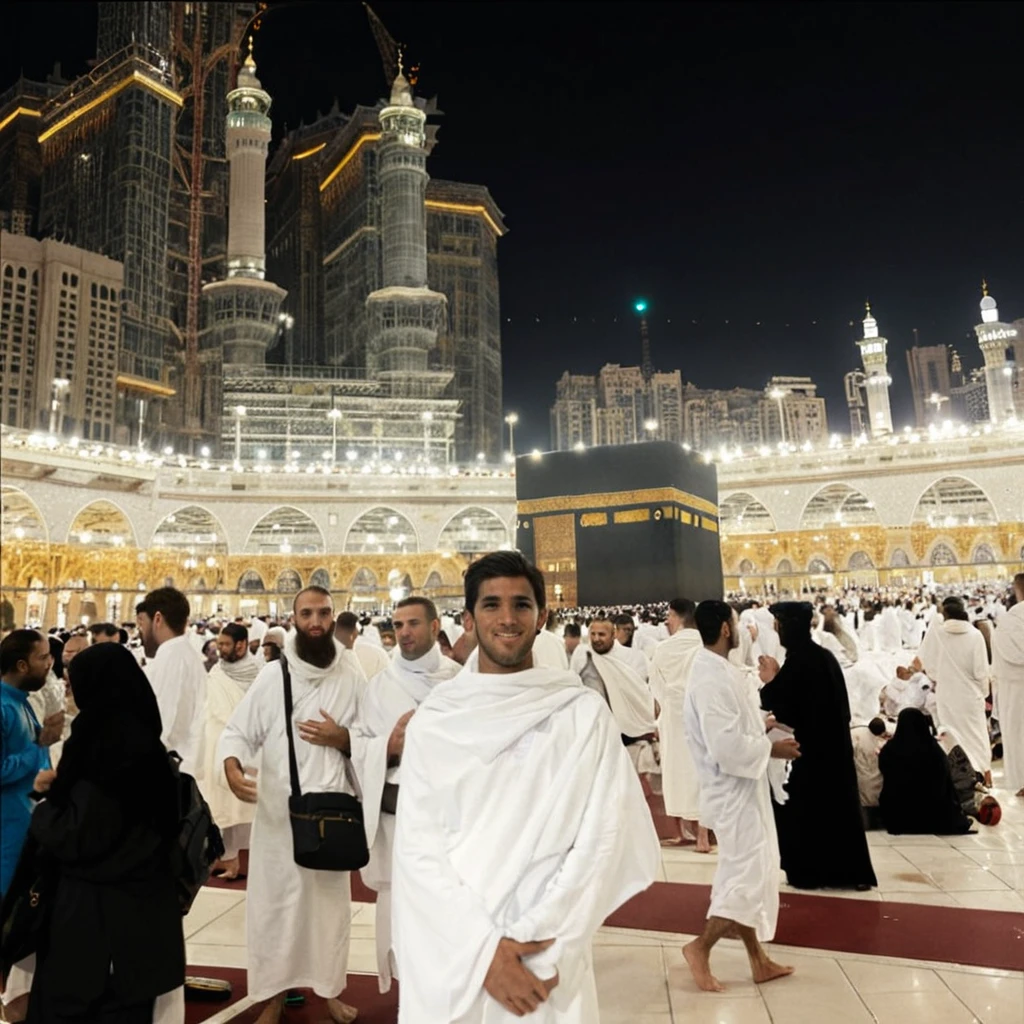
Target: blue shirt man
(24,662)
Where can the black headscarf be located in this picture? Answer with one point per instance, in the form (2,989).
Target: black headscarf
(115,739)
(794,619)
(57,653)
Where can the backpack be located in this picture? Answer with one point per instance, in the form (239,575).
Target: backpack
(199,844)
(965,778)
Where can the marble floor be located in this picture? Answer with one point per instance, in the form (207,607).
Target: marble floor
(642,978)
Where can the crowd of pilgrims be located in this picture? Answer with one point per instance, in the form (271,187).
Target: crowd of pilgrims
(529,746)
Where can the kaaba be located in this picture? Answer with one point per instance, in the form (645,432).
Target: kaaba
(621,524)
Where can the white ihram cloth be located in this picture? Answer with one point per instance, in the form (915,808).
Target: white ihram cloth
(1008,669)
(401,687)
(732,753)
(888,631)
(178,677)
(670,671)
(864,679)
(954,655)
(519,815)
(629,696)
(767,636)
(634,658)
(297,920)
(372,657)
(226,684)
(549,651)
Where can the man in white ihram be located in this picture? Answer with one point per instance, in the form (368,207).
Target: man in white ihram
(521,826)
(732,751)
(1008,672)
(378,739)
(298,920)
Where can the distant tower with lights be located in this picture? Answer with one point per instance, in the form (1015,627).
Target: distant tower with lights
(876,376)
(242,311)
(404,315)
(646,363)
(994,338)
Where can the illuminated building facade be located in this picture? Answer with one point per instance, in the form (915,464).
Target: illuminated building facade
(995,339)
(876,379)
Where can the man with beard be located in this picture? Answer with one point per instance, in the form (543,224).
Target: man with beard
(298,920)
(821,834)
(226,685)
(391,698)
(176,673)
(25,661)
(522,826)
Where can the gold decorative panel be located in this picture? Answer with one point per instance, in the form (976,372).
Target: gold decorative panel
(633,515)
(594,519)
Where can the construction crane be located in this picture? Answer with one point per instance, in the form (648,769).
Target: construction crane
(389,49)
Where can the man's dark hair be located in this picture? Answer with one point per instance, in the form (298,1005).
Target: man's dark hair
(571,629)
(428,606)
(170,603)
(877,727)
(106,628)
(346,620)
(17,646)
(683,607)
(622,619)
(239,634)
(122,635)
(311,589)
(709,617)
(503,565)
(953,608)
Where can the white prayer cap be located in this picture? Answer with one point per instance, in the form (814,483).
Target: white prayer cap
(274,635)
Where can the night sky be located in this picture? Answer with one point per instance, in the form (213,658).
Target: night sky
(754,170)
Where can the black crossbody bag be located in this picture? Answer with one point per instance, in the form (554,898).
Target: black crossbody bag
(327,828)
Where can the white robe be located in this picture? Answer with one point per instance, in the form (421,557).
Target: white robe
(519,815)
(401,687)
(670,671)
(1008,683)
(634,658)
(629,696)
(954,655)
(178,677)
(297,920)
(888,631)
(549,651)
(732,752)
(372,657)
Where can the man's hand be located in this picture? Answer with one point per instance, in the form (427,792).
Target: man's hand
(519,990)
(786,750)
(752,630)
(326,733)
(44,780)
(52,730)
(243,788)
(769,723)
(767,668)
(396,741)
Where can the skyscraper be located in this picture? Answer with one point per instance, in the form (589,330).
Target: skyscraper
(929,381)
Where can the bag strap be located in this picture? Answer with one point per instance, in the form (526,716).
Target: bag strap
(293,766)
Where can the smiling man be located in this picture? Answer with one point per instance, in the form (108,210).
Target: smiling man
(521,826)
(378,740)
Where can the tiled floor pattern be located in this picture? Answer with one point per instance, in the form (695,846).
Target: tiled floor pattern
(642,978)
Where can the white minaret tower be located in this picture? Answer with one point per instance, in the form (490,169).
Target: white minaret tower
(876,376)
(242,311)
(993,339)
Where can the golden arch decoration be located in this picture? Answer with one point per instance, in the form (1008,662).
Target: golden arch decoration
(101,523)
(21,518)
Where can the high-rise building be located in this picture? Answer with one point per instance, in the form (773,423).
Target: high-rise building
(876,378)
(574,414)
(59,327)
(994,339)
(930,383)
(802,412)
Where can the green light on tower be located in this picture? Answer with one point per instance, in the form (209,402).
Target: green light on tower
(640,306)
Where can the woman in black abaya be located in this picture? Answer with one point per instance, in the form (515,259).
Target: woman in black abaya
(821,833)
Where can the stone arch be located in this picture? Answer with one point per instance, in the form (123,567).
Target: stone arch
(381,531)
(473,530)
(21,518)
(251,582)
(320,578)
(899,559)
(860,561)
(288,582)
(741,513)
(954,501)
(942,554)
(192,528)
(101,523)
(785,567)
(433,581)
(838,504)
(819,567)
(399,585)
(746,567)
(285,530)
(983,555)
(364,582)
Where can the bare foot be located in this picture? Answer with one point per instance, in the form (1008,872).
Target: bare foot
(227,869)
(272,1011)
(16,1009)
(341,1013)
(700,968)
(1020,792)
(703,844)
(769,970)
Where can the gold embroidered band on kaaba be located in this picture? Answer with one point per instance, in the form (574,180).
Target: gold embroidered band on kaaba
(617,499)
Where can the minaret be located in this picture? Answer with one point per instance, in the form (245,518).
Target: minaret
(993,339)
(404,315)
(242,314)
(876,376)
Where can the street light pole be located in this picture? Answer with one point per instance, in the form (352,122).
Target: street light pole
(512,419)
(334,415)
(779,394)
(239,414)
(427,417)
(60,385)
